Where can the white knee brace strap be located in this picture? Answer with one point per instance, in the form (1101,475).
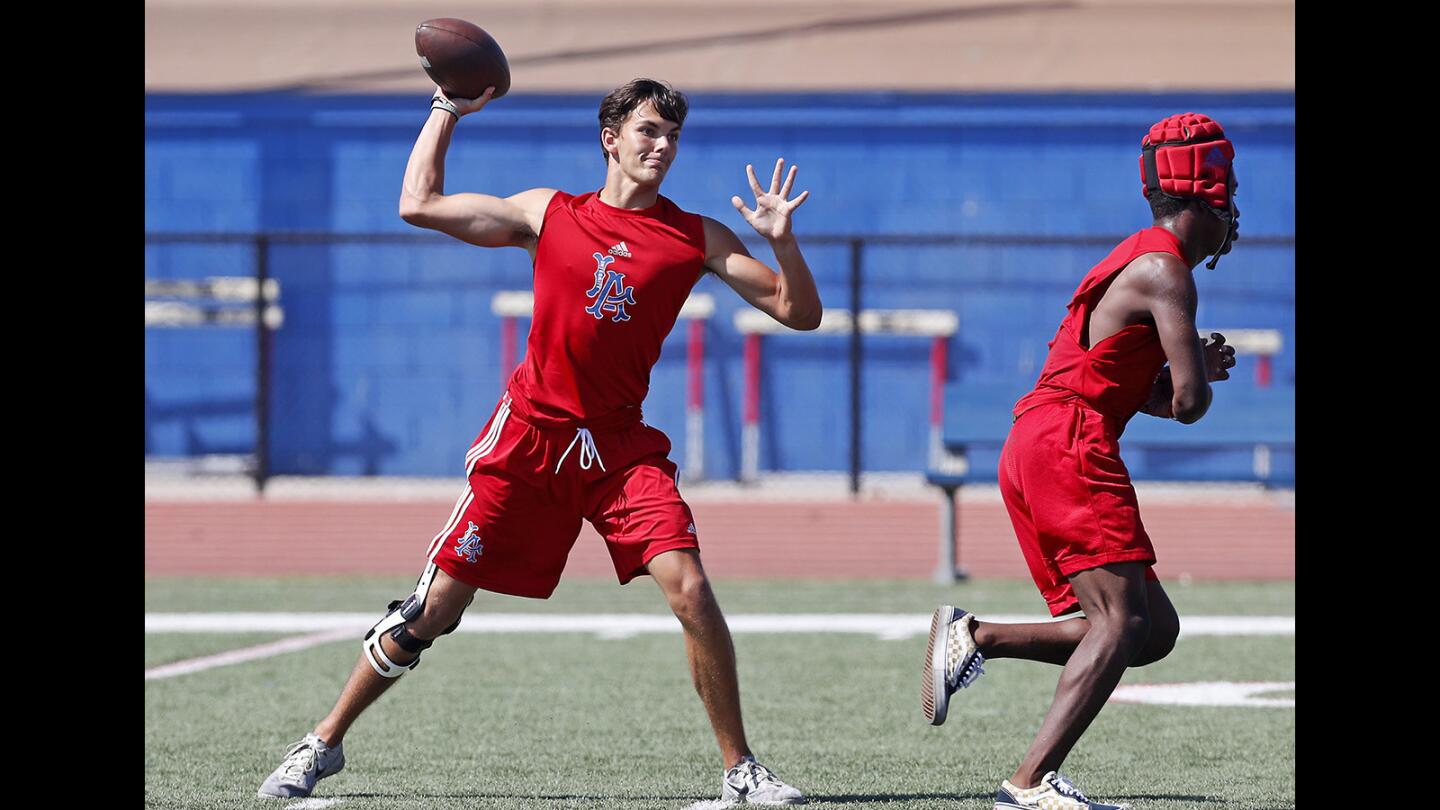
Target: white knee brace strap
(399,613)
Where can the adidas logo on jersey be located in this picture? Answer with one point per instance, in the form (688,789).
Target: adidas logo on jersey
(620,250)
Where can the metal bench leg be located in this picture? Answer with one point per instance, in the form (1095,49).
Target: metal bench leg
(948,571)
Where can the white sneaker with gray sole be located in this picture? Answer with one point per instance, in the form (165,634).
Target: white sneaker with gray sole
(306,762)
(754,783)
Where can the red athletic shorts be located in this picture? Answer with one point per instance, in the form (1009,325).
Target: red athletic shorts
(528,488)
(1070,498)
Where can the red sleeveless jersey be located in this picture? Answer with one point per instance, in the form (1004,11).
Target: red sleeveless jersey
(609,284)
(1115,376)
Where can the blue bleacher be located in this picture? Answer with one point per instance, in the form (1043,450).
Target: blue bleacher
(1222,446)
(365,323)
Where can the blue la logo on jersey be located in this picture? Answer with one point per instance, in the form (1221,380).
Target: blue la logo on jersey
(609,292)
(470,547)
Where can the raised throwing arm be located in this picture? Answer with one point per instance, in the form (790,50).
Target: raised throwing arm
(480,219)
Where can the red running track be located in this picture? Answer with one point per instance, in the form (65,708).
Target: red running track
(887,539)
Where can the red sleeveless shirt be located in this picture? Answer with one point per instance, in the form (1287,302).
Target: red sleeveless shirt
(609,284)
(1115,376)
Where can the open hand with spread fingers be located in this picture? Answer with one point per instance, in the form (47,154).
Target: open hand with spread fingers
(1219,358)
(771,217)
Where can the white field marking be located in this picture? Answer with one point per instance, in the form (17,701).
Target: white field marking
(1205,693)
(247,653)
(322,628)
(711,804)
(888,626)
(312,804)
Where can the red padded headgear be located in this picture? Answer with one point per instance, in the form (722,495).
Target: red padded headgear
(1188,156)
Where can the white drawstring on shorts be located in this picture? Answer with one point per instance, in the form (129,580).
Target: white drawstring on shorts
(587,451)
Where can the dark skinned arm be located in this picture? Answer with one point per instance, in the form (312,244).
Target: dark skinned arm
(1167,288)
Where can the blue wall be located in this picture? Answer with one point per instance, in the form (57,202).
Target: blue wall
(388,359)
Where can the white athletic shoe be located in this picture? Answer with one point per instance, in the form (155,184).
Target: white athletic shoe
(754,783)
(1054,792)
(305,763)
(952,661)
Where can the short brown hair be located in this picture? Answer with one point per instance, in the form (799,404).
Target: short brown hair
(669,102)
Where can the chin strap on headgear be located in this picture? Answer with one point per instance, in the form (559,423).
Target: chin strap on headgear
(1188,157)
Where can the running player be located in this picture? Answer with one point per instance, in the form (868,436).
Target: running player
(1127,345)
(566,442)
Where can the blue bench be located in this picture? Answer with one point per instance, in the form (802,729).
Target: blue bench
(1247,435)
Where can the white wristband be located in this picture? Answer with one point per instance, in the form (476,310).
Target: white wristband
(438,103)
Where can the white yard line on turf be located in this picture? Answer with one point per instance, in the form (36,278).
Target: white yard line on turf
(893,626)
(247,654)
(322,628)
(709,804)
(312,804)
(1206,693)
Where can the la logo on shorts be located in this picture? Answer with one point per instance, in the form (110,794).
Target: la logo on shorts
(470,547)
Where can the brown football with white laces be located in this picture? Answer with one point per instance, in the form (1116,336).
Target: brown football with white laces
(461,58)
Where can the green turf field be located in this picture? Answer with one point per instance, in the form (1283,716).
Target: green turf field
(574,721)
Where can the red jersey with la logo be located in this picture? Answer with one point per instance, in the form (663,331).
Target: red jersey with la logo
(609,284)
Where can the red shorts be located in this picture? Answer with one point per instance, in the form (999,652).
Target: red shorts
(1070,498)
(528,488)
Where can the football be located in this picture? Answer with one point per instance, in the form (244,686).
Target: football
(461,58)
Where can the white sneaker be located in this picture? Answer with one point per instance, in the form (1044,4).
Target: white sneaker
(952,661)
(305,763)
(754,783)
(1054,792)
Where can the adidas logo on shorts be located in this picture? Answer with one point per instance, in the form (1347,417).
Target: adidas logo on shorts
(620,250)
(690,528)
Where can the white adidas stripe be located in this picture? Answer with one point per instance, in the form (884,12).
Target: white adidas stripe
(486,444)
(481,449)
(495,425)
(461,505)
(491,438)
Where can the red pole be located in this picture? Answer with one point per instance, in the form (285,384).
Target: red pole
(507,350)
(938,349)
(695,402)
(752,379)
(750,431)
